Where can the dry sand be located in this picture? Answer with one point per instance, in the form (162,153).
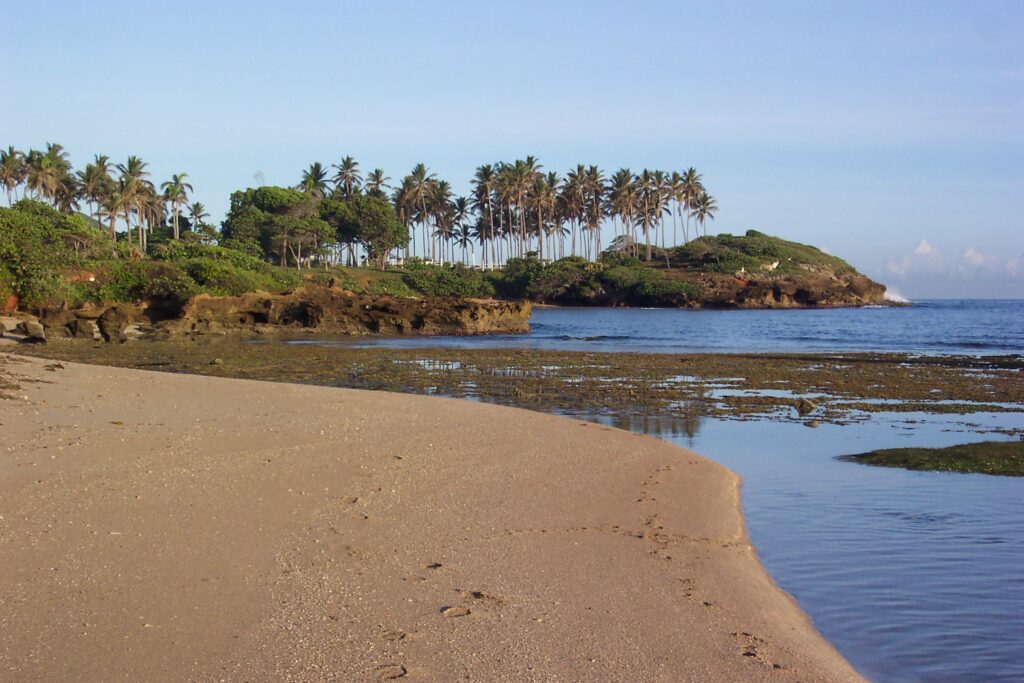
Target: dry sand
(158,527)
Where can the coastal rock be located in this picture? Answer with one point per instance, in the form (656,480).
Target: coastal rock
(32,330)
(805,406)
(8,324)
(822,290)
(83,328)
(338,311)
(113,321)
(312,309)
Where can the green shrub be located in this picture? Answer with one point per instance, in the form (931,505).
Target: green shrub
(573,276)
(38,247)
(623,278)
(389,287)
(167,285)
(223,279)
(663,292)
(454,280)
(752,252)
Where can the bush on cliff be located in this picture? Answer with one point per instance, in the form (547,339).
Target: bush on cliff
(616,280)
(223,271)
(752,252)
(453,280)
(40,247)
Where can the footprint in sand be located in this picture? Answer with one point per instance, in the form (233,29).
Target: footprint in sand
(452,611)
(389,672)
(485,599)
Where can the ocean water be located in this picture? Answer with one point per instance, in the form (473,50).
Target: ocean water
(929,327)
(913,576)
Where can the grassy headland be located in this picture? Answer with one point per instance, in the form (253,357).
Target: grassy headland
(535,236)
(55,260)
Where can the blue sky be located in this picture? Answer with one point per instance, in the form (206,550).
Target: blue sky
(891,134)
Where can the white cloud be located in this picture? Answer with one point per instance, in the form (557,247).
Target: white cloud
(972,263)
(924,259)
(1015,265)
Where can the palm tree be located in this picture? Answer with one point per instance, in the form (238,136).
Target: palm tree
(95,182)
(314,181)
(377,183)
(65,193)
(111,205)
(12,171)
(197,213)
(176,193)
(347,180)
(594,192)
(574,200)
(676,196)
(44,173)
(623,198)
(441,211)
(704,208)
(134,190)
(420,189)
(483,189)
(692,188)
(460,209)
(661,196)
(648,195)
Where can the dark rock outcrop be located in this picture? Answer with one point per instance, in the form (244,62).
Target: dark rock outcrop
(312,309)
(821,290)
(337,311)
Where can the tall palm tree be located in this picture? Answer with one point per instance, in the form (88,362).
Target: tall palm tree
(347,180)
(484,181)
(377,183)
(676,194)
(197,213)
(441,211)
(65,193)
(420,190)
(314,181)
(176,193)
(692,189)
(112,205)
(648,201)
(95,182)
(44,172)
(623,195)
(704,208)
(574,200)
(135,189)
(12,171)
(594,193)
(461,208)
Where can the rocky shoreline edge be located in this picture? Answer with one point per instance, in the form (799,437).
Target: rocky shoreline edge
(310,309)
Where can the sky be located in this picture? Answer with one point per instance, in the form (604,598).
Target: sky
(889,134)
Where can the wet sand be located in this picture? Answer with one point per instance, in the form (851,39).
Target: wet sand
(171,527)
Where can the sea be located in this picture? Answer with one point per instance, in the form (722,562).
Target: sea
(913,576)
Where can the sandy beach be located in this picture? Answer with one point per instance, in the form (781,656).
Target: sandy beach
(168,527)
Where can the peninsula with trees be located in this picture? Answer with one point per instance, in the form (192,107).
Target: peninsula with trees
(342,253)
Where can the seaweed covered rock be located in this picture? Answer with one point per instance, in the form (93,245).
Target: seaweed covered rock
(338,311)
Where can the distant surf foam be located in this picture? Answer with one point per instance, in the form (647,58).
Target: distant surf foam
(895,297)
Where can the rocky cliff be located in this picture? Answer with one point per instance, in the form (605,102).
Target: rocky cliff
(310,309)
(822,289)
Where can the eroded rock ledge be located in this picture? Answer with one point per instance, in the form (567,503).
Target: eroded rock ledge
(814,289)
(310,309)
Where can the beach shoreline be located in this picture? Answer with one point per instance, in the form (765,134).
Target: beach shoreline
(172,527)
